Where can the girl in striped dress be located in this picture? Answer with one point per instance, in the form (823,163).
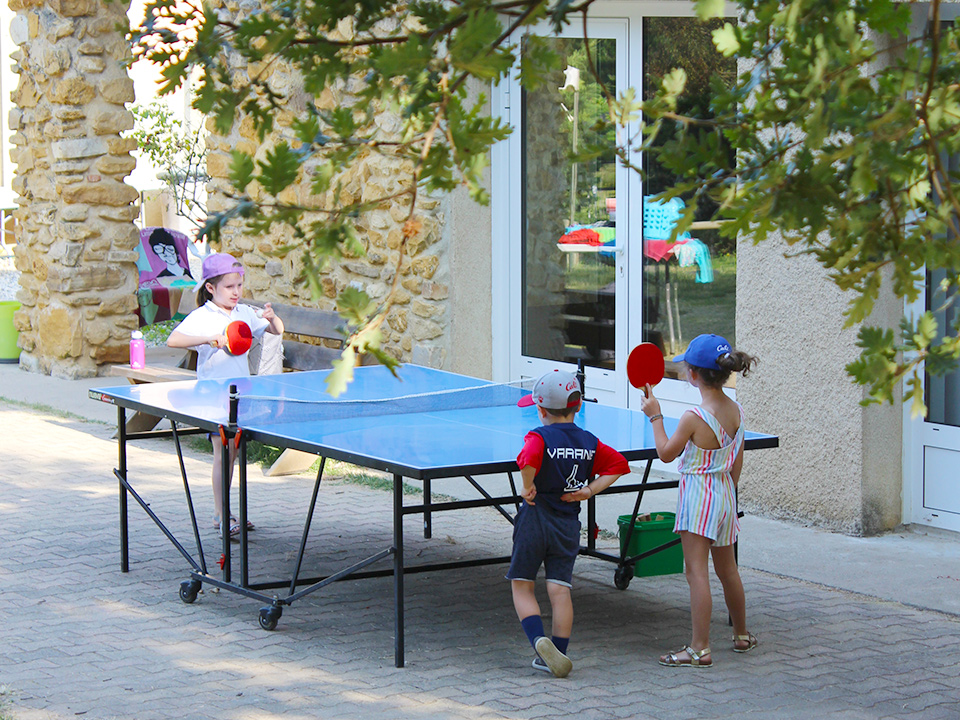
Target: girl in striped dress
(709,442)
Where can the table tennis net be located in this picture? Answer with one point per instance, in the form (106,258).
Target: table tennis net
(260,409)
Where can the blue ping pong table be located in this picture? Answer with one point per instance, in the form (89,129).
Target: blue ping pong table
(430,424)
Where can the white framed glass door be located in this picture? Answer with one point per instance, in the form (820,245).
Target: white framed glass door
(931,493)
(568,241)
(580,279)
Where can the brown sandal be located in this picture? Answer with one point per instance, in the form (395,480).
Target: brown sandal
(695,660)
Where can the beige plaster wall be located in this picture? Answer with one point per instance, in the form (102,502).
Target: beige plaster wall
(838,464)
(466,235)
(883,446)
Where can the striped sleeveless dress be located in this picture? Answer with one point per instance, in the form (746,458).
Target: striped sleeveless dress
(707,503)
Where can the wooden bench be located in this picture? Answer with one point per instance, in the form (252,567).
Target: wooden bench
(298,321)
(312,323)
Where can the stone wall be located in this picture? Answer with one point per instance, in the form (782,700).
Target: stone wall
(77,245)
(416,328)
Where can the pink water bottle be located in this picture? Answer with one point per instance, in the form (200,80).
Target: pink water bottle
(138,349)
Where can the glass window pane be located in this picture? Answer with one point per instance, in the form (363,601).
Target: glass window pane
(689,285)
(568,277)
(943,391)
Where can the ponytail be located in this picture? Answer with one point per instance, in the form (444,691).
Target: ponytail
(737,361)
(731,362)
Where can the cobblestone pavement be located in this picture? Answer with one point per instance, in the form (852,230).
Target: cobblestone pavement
(82,640)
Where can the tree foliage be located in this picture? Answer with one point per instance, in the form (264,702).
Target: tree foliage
(413,58)
(179,152)
(843,120)
(834,134)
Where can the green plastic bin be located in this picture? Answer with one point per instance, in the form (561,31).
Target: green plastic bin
(650,534)
(9,352)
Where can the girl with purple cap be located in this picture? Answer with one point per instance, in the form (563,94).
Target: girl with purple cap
(709,442)
(204,330)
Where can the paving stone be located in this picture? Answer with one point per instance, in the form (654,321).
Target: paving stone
(82,637)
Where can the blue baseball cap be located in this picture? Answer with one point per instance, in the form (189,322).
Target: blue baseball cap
(703,351)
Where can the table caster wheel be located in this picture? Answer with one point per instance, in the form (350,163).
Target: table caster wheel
(189,590)
(269,617)
(622,577)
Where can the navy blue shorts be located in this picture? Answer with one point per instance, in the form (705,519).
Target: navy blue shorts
(544,537)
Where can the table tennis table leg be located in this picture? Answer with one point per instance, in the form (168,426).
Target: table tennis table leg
(398,570)
(427,516)
(513,490)
(242,509)
(226,466)
(186,491)
(122,470)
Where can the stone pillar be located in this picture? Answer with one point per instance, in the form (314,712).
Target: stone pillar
(77,244)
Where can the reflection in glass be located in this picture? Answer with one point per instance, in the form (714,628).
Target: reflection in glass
(690,283)
(569,211)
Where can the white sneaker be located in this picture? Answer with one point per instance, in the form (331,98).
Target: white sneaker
(559,664)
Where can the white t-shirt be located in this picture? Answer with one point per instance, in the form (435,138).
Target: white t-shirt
(210,319)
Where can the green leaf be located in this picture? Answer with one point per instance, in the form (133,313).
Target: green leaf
(342,373)
(915,395)
(241,170)
(472,46)
(926,331)
(725,40)
(279,170)
(919,190)
(675,81)
(355,305)
(710,9)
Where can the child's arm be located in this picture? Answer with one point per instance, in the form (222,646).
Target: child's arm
(737,467)
(594,487)
(668,448)
(529,491)
(529,461)
(276,324)
(178,339)
(610,465)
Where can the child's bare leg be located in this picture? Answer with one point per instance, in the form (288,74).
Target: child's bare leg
(561,605)
(528,610)
(696,553)
(524,598)
(217,480)
(725,565)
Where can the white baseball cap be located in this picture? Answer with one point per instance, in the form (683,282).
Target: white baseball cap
(552,391)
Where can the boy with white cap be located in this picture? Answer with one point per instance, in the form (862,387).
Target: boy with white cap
(561,465)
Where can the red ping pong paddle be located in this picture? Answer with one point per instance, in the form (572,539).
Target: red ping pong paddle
(239,337)
(645,365)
